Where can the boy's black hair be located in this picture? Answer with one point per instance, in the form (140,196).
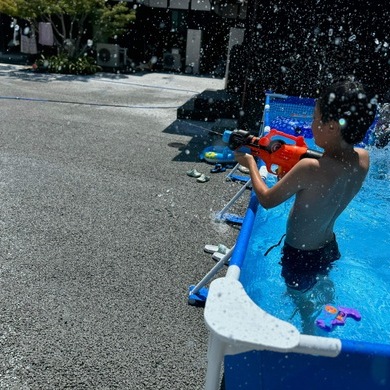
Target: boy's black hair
(348,103)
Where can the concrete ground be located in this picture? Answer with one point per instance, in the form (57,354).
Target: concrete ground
(102,231)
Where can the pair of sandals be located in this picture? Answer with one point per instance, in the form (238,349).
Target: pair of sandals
(218,168)
(218,251)
(200,177)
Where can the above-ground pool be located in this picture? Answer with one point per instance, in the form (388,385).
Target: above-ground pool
(359,280)
(268,337)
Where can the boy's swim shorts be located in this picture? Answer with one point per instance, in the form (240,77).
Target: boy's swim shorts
(302,268)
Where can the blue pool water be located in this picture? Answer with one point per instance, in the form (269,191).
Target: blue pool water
(359,280)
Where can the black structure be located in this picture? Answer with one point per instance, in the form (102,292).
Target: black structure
(296,46)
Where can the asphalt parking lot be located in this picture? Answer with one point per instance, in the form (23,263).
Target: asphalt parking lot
(102,231)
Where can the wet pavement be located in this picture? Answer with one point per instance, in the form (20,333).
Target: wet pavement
(102,231)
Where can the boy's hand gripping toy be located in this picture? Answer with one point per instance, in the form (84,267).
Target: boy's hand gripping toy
(272,149)
(332,316)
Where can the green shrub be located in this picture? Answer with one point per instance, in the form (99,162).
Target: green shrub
(65,65)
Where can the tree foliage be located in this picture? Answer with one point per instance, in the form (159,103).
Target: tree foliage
(69,18)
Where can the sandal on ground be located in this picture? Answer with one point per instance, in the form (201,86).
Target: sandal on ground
(193,173)
(243,169)
(219,256)
(216,248)
(218,168)
(203,178)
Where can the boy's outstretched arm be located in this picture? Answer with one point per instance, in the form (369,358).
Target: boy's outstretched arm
(297,179)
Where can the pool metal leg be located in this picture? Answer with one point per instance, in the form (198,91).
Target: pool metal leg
(215,355)
(232,176)
(232,218)
(223,216)
(198,294)
(232,171)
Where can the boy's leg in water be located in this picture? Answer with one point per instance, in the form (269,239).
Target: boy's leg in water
(310,303)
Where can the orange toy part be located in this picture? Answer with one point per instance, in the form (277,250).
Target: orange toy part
(276,152)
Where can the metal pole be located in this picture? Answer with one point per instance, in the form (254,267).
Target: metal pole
(212,272)
(235,197)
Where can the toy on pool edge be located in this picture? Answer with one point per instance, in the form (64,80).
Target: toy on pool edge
(332,316)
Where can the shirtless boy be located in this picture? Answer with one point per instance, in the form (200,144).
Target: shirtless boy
(323,188)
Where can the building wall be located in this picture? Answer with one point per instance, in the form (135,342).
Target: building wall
(159,30)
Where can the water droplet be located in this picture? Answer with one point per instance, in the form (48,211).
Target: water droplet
(332,96)
(342,122)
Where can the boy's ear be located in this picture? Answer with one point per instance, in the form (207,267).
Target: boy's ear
(334,126)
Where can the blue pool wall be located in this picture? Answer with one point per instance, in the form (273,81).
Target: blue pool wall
(364,367)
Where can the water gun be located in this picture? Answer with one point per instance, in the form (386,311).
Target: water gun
(272,149)
(332,316)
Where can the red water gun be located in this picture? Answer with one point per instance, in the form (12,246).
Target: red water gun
(272,149)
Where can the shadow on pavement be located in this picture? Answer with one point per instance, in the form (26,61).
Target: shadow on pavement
(202,136)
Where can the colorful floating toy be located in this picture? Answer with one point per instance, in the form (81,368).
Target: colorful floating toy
(332,316)
(217,154)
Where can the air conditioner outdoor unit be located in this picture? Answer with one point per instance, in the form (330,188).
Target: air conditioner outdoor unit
(172,61)
(110,55)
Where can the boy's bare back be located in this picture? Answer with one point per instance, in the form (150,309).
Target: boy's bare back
(331,183)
